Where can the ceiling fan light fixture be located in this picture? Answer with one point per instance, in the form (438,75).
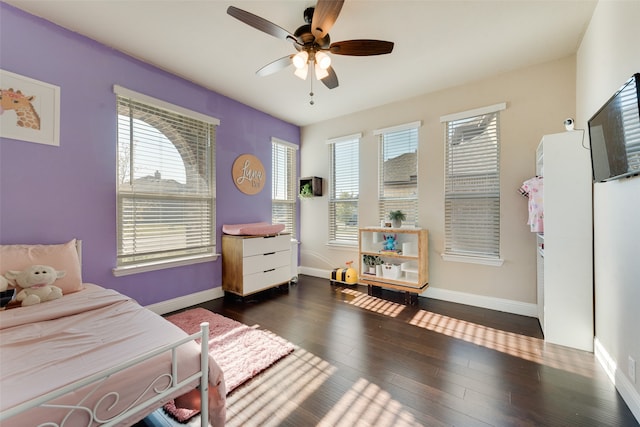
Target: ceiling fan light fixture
(302,72)
(323,60)
(300,59)
(320,72)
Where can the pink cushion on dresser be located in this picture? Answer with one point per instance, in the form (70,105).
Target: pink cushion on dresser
(252,229)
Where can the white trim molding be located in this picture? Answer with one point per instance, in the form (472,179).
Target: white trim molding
(619,380)
(491,303)
(344,138)
(185,301)
(123,91)
(475,112)
(398,128)
(283,142)
(495,262)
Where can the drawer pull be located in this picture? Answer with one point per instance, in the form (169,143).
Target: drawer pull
(269,253)
(266,271)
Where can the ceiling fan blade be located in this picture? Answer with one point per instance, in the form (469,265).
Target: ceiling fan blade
(361,47)
(275,66)
(324,16)
(261,24)
(331,81)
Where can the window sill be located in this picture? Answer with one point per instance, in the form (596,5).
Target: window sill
(160,265)
(494,262)
(343,245)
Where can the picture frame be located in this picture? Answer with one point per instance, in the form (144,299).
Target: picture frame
(29,109)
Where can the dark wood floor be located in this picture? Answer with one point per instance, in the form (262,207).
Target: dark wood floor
(370,361)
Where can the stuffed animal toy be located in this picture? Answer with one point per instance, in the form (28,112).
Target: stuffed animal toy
(36,283)
(390,242)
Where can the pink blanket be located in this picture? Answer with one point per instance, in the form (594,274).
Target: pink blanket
(50,345)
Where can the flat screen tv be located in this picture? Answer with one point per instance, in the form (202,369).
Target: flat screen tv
(614,131)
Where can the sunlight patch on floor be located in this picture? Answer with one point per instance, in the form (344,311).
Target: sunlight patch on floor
(366,404)
(275,394)
(527,348)
(374,304)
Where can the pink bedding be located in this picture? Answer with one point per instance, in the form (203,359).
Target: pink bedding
(252,229)
(50,345)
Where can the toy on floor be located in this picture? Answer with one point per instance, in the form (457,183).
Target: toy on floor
(346,276)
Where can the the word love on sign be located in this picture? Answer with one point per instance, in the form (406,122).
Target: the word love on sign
(248,174)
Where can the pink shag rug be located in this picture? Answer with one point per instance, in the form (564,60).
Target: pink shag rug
(242,352)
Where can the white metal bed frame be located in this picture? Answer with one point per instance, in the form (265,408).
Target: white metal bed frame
(137,406)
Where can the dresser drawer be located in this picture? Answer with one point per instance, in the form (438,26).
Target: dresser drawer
(260,263)
(262,245)
(266,279)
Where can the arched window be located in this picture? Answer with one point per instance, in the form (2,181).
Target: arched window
(166,185)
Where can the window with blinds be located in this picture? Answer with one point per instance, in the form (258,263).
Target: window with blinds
(472,185)
(344,189)
(283,185)
(166,183)
(398,171)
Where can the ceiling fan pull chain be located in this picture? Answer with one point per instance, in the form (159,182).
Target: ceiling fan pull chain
(311,83)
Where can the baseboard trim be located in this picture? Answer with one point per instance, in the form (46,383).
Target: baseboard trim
(629,394)
(492,303)
(179,303)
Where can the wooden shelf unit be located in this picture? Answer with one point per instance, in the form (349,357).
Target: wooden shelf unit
(410,271)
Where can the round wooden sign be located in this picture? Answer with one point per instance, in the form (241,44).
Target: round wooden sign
(248,174)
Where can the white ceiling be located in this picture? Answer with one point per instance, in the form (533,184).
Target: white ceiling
(438,44)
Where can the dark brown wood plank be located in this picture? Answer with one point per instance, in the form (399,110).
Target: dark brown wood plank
(377,361)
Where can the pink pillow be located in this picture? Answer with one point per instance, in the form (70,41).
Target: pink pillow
(63,257)
(252,229)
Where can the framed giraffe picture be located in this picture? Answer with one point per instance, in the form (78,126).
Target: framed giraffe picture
(29,109)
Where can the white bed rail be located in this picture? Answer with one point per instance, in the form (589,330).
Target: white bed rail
(139,405)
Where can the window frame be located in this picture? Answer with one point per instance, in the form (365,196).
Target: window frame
(290,202)
(133,267)
(334,201)
(466,254)
(386,203)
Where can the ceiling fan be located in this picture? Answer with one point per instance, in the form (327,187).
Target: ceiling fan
(312,42)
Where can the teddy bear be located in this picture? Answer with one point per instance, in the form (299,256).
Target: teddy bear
(36,284)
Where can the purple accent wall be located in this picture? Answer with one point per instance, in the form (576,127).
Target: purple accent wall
(52,194)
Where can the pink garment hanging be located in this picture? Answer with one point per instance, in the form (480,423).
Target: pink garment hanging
(533,188)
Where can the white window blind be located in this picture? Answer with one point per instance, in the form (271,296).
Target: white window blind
(283,185)
(398,171)
(472,185)
(344,189)
(166,183)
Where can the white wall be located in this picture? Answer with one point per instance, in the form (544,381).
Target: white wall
(608,55)
(538,99)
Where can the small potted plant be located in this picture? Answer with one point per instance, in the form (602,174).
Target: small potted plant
(396,218)
(306,191)
(371,261)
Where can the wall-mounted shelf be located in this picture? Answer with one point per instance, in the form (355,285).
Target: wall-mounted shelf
(315,183)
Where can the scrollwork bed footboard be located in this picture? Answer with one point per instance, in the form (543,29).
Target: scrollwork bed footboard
(92,401)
